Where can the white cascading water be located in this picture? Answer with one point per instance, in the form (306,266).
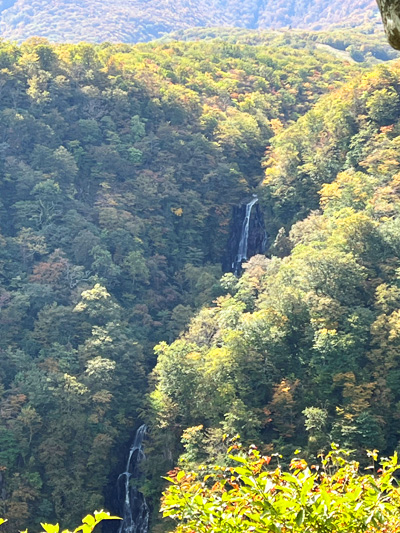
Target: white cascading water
(244,238)
(135,512)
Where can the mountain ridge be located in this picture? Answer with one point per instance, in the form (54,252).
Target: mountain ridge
(133,21)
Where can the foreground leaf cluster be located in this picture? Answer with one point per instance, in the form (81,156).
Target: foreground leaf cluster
(89,522)
(253,496)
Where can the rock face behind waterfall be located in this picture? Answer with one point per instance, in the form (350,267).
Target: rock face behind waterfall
(257,237)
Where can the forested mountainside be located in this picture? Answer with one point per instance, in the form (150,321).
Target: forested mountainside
(302,350)
(118,172)
(142,20)
(354,45)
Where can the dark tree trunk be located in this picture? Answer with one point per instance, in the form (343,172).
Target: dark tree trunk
(390,10)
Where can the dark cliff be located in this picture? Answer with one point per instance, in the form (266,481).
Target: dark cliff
(257,239)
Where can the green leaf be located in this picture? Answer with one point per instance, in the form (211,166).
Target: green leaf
(242,471)
(49,528)
(300,517)
(237,458)
(180,475)
(84,528)
(102,515)
(89,519)
(275,528)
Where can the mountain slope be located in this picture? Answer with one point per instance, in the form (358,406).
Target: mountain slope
(143,20)
(303,349)
(315,14)
(119,168)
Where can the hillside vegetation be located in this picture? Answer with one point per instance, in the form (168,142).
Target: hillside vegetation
(142,20)
(119,169)
(303,349)
(118,172)
(355,46)
(255,493)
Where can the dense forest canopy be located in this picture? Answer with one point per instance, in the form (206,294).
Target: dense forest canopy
(118,172)
(142,20)
(303,348)
(353,45)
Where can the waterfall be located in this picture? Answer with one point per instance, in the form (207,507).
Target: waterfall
(244,238)
(135,512)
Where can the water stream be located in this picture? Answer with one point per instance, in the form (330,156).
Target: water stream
(135,512)
(244,238)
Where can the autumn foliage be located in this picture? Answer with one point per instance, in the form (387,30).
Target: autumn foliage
(143,20)
(257,494)
(89,522)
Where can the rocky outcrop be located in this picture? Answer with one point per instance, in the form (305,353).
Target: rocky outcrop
(390,11)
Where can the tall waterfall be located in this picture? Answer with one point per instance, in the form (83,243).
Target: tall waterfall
(135,512)
(244,238)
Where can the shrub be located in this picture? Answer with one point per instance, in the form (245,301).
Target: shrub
(331,497)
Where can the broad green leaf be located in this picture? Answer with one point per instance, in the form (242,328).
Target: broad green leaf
(242,471)
(180,475)
(89,520)
(275,528)
(102,515)
(50,528)
(300,517)
(237,458)
(170,479)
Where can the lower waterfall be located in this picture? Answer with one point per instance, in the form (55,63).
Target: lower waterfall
(135,512)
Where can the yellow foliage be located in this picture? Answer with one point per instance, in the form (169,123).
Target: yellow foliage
(349,188)
(88,523)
